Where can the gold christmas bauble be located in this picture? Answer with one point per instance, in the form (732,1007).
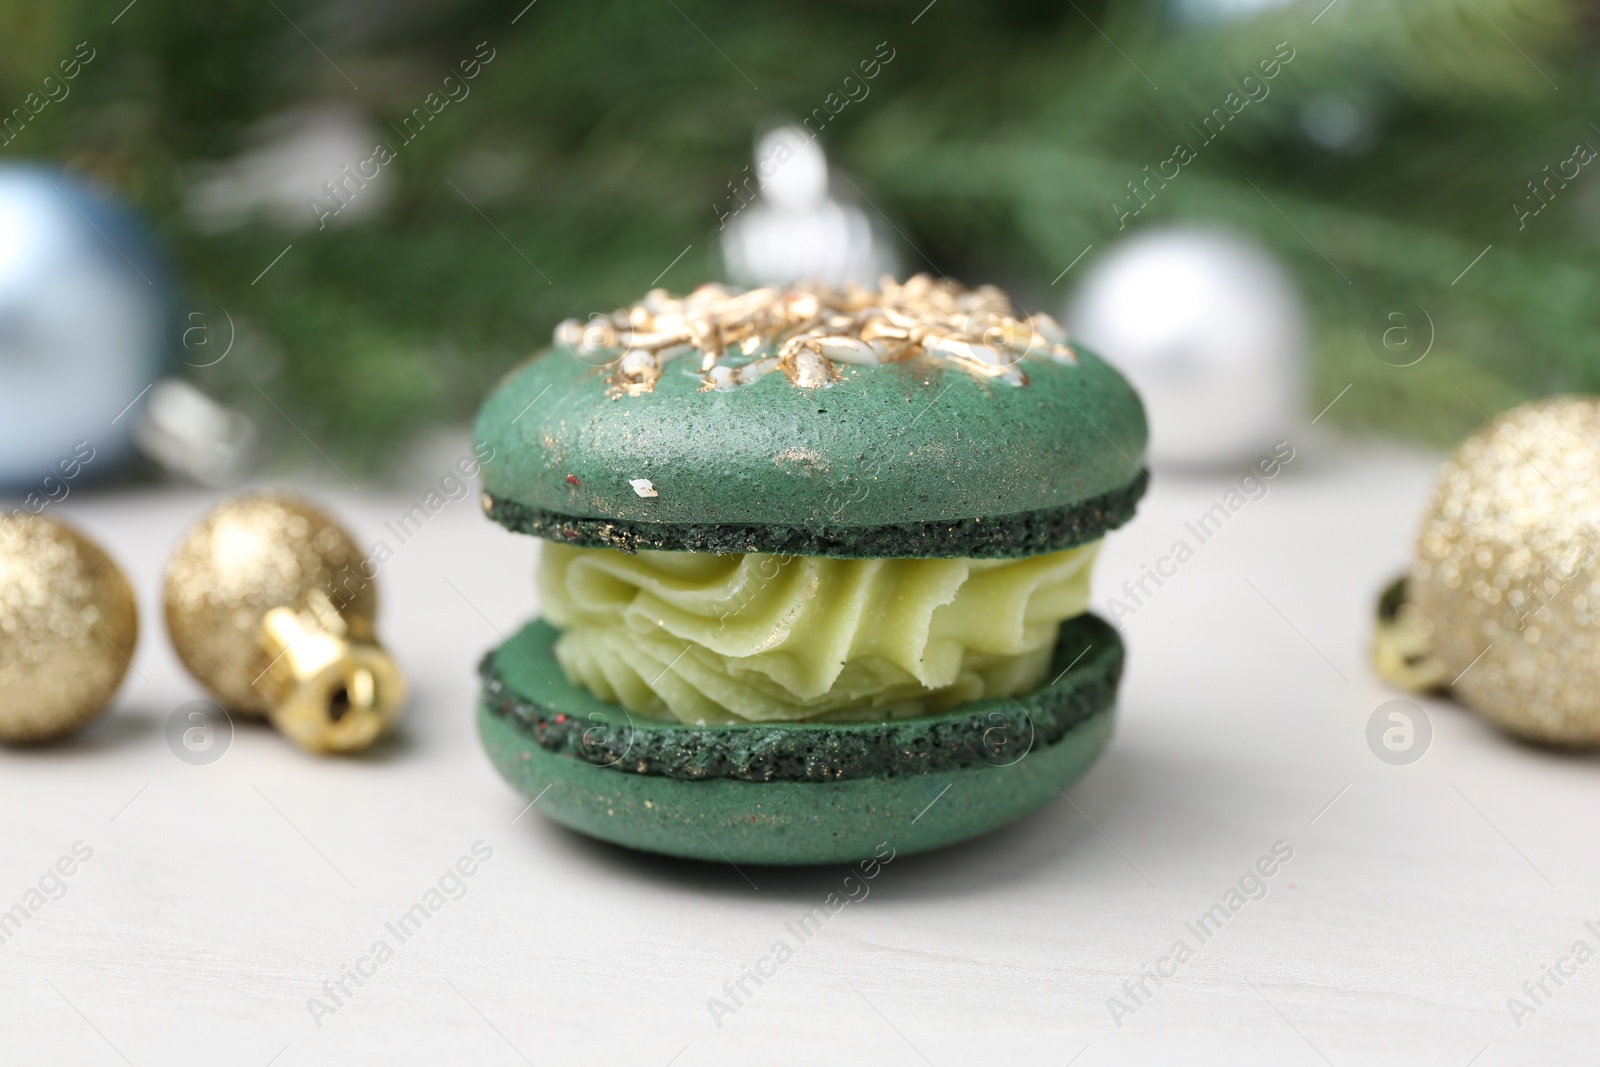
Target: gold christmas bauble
(68,627)
(270,605)
(1506,580)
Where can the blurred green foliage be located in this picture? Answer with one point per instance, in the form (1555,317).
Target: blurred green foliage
(600,141)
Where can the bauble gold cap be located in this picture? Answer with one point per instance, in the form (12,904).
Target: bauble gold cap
(1402,653)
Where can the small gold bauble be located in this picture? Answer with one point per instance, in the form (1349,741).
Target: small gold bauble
(1506,580)
(68,626)
(270,605)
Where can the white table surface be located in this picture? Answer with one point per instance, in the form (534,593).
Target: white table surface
(220,898)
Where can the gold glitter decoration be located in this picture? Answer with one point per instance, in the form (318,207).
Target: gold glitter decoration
(1507,573)
(807,330)
(270,605)
(68,626)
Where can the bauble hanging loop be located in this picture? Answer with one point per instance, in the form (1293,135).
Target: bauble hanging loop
(270,605)
(68,627)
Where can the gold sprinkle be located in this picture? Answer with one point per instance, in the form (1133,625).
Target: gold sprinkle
(808,330)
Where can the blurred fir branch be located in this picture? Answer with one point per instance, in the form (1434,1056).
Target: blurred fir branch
(999,139)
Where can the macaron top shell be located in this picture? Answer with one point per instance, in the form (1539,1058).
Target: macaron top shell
(921,440)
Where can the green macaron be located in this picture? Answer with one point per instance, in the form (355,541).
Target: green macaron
(821,568)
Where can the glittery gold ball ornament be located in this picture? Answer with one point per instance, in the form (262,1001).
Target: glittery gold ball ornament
(1506,580)
(270,605)
(68,626)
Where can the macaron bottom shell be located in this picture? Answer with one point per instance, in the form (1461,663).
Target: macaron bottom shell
(699,792)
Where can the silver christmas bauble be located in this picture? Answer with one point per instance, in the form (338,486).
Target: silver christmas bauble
(795,229)
(1210,330)
(83,324)
(1212,12)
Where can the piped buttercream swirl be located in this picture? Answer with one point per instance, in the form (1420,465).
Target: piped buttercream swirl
(766,638)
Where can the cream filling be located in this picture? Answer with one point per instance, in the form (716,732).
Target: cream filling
(763,638)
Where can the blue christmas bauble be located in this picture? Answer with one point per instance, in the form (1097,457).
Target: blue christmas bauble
(84,326)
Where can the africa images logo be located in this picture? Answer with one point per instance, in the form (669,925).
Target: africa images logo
(450,886)
(1252,885)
